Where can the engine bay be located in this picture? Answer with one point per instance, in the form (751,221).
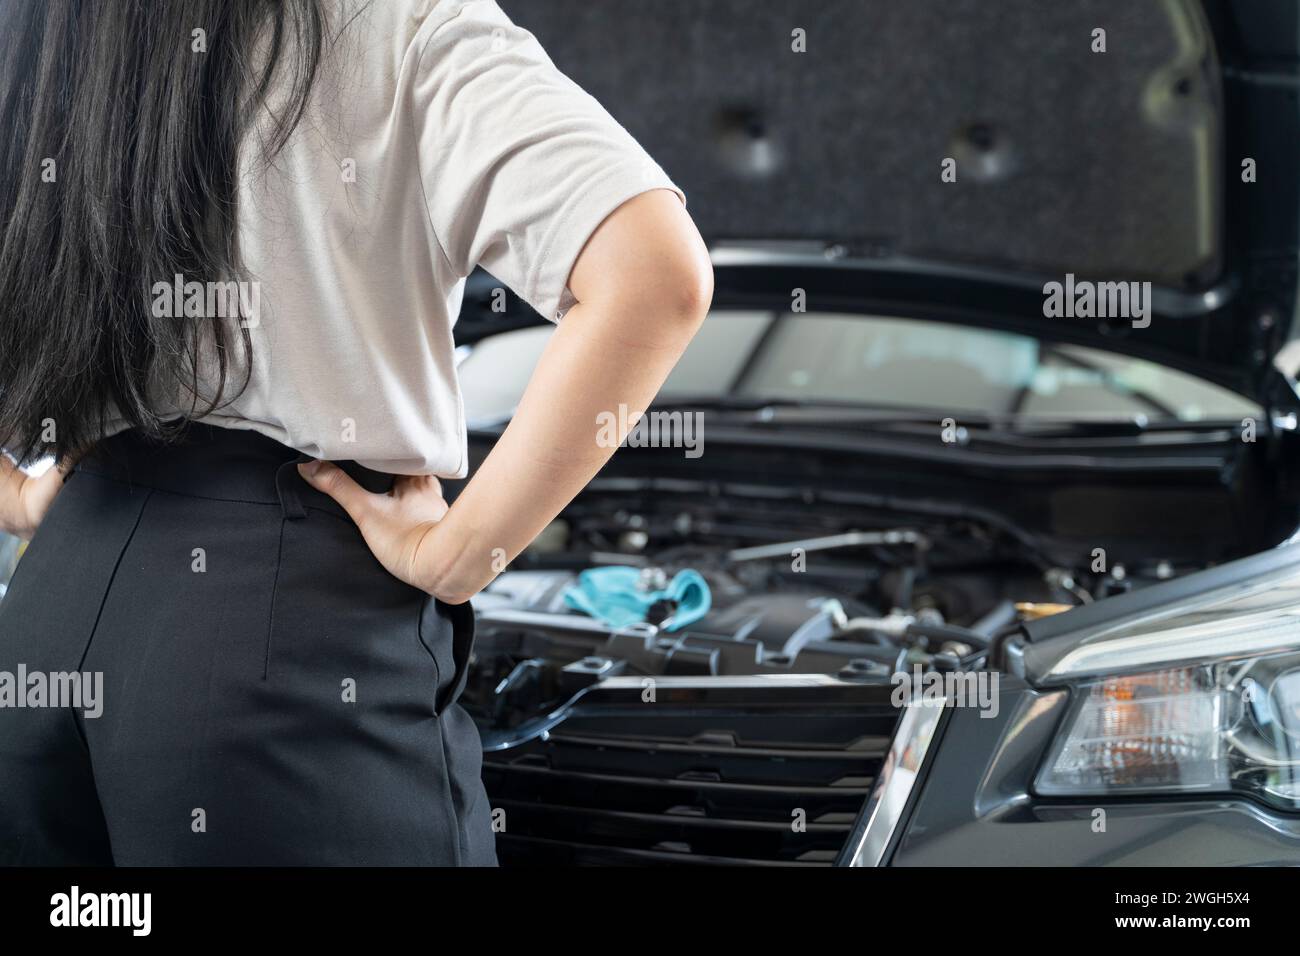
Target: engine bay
(857,594)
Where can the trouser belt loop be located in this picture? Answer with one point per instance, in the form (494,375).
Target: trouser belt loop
(287,483)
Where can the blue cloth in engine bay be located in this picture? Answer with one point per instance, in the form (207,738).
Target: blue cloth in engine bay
(620,595)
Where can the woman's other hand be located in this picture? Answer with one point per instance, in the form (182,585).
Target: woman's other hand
(25,499)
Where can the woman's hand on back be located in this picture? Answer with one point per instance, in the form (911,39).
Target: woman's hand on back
(395,525)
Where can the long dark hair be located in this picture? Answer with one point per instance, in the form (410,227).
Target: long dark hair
(121,123)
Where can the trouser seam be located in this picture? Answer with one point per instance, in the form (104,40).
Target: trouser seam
(451,793)
(275,582)
(77,727)
(103,600)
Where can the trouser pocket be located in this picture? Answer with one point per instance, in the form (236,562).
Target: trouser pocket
(447,633)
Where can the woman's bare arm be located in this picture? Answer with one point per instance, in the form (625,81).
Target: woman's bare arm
(643,285)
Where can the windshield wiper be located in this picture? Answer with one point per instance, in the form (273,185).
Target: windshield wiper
(792,411)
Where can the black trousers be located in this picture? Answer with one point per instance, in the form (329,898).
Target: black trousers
(270,695)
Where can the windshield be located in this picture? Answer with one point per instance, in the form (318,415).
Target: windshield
(882,363)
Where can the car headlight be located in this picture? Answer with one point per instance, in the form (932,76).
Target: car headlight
(1231,726)
(1222,715)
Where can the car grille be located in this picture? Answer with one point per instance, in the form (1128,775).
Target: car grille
(733,773)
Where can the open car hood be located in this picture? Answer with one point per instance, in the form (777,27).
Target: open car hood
(1117,166)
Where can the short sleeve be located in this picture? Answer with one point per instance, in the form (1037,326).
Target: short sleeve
(519,164)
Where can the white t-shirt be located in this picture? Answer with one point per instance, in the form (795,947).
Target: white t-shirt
(440,137)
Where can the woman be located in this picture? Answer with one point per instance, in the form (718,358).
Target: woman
(235,240)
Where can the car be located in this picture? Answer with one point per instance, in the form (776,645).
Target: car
(987,453)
